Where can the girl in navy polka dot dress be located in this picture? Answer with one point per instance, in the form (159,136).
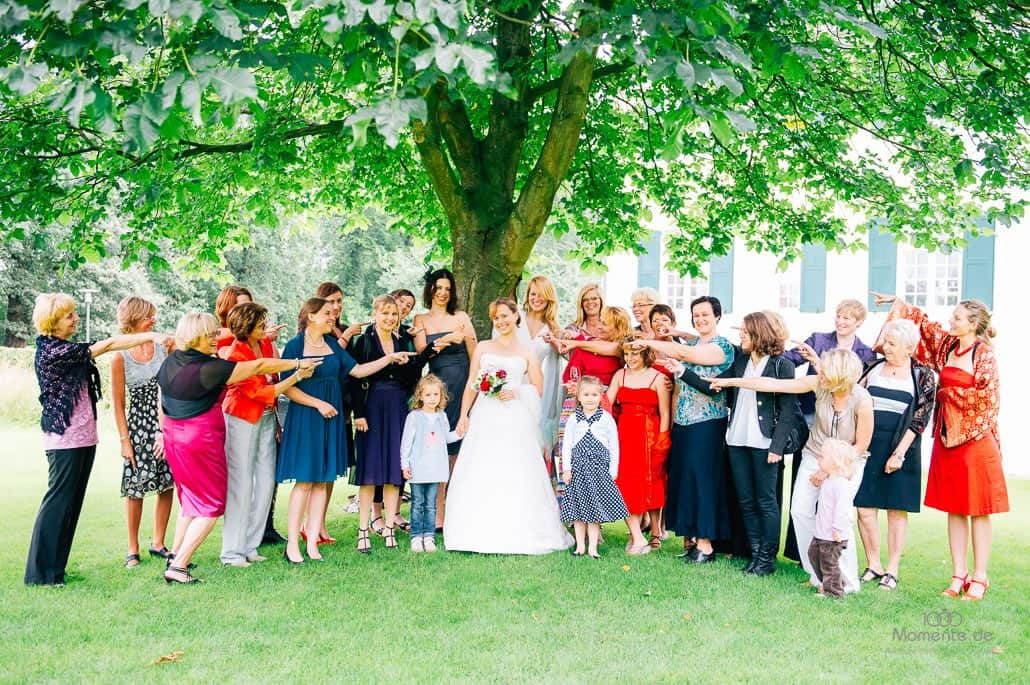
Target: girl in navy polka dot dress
(590,454)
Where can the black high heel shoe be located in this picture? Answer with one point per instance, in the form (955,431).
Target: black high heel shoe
(390,538)
(188,580)
(364,546)
(286,556)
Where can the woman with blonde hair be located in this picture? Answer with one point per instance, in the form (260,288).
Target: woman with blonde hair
(137,415)
(843,410)
(193,381)
(966,479)
(589,303)
(642,301)
(69,388)
(539,330)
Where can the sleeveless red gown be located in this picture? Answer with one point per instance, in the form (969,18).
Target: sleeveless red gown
(642,450)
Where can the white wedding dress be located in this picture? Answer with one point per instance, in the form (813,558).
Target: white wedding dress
(500,500)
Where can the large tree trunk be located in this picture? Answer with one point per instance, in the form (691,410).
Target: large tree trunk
(485,271)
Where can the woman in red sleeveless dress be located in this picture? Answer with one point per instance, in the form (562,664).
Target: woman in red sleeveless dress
(966,479)
(641,400)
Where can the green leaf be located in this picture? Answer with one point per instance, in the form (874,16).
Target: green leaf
(685,72)
(964,173)
(64,9)
(233,84)
(721,130)
(742,123)
(23,79)
(226,23)
(476,62)
(726,78)
(81,96)
(140,131)
(189,97)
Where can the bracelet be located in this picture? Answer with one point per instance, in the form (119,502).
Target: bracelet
(124,437)
(297,368)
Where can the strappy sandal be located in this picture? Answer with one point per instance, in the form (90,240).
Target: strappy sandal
(188,580)
(381,532)
(403,525)
(131,560)
(970,597)
(963,587)
(888,582)
(391,540)
(869,575)
(364,545)
(656,542)
(163,553)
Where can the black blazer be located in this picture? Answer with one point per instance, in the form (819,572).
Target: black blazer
(778,412)
(365,348)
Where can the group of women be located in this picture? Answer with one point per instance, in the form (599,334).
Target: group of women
(704,424)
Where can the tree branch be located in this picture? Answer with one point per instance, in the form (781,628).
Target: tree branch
(426,135)
(539,90)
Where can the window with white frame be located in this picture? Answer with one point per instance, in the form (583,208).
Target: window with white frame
(680,291)
(789,285)
(929,279)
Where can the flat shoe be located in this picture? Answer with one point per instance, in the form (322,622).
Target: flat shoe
(869,575)
(129,559)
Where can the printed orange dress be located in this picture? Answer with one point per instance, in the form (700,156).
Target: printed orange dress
(642,448)
(966,475)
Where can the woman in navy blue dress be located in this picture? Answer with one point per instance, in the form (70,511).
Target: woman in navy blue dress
(448,332)
(314,445)
(380,404)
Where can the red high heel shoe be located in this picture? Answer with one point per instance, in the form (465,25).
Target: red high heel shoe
(328,540)
(976,598)
(948,592)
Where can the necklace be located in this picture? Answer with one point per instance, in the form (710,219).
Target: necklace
(308,342)
(962,353)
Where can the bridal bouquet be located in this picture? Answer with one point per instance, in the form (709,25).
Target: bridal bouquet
(492,382)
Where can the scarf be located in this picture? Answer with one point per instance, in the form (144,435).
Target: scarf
(63,368)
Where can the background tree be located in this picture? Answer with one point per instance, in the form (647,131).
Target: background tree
(199,119)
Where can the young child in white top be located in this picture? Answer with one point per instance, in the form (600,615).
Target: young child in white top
(590,458)
(424,461)
(833,515)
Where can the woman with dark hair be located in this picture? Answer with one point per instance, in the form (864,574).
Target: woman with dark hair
(450,334)
(69,387)
(695,505)
(314,446)
(333,294)
(758,435)
(250,445)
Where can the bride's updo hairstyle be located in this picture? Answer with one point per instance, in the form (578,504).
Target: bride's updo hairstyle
(508,302)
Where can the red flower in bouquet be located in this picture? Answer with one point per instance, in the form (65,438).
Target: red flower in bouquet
(492,382)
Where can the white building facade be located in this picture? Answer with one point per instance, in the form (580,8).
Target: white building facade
(990,268)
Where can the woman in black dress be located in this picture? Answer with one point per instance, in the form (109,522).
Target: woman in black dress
(449,333)
(903,394)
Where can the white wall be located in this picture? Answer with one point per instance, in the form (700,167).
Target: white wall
(755,287)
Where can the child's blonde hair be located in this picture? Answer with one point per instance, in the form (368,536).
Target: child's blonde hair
(588,381)
(841,454)
(425,382)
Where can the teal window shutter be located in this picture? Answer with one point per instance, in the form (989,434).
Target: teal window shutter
(883,261)
(720,280)
(978,266)
(813,278)
(649,264)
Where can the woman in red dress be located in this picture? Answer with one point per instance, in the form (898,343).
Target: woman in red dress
(640,397)
(966,478)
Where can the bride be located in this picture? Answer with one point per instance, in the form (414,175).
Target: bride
(500,499)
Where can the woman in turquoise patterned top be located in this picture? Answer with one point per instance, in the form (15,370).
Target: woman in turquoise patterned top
(695,505)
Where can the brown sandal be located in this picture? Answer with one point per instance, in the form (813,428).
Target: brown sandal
(656,542)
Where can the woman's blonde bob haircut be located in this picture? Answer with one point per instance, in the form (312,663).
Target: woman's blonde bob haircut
(854,308)
(839,370)
(902,332)
(132,311)
(49,310)
(194,328)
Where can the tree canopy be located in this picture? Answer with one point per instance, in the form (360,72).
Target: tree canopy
(157,127)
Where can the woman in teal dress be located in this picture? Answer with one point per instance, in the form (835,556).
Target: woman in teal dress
(695,504)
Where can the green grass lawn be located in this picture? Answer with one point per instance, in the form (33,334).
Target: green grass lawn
(465,618)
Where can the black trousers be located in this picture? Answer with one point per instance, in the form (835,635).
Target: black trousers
(58,515)
(755,480)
